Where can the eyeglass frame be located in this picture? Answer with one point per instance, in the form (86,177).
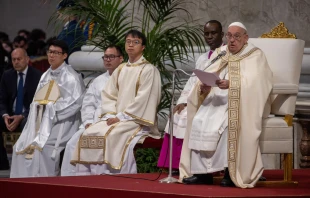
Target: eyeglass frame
(111,57)
(50,52)
(228,37)
(128,42)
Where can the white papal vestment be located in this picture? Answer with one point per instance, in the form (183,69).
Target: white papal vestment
(132,94)
(91,110)
(60,121)
(224,125)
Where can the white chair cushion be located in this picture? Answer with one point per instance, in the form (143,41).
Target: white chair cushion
(276,136)
(284,88)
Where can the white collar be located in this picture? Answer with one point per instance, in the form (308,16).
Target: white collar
(59,68)
(24,72)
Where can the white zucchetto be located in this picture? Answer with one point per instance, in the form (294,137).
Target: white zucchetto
(238,24)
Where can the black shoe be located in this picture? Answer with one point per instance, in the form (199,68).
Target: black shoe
(199,179)
(262,178)
(226,181)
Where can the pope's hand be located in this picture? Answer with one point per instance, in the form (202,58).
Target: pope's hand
(204,88)
(223,84)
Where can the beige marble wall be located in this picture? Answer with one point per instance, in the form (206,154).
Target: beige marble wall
(26,14)
(258,15)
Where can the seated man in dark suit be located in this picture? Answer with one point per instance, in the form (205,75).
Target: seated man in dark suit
(17,90)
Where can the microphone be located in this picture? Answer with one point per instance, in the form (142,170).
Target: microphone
(222,53)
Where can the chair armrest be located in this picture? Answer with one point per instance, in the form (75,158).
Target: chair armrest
(285,88)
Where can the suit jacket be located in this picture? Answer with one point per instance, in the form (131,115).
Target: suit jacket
(8,90)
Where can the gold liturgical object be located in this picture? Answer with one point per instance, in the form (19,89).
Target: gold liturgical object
(48,93)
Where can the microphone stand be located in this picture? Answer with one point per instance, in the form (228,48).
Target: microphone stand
(171,179)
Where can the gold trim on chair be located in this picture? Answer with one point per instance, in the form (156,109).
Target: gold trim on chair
(10,138)
(280,31)
(289,120)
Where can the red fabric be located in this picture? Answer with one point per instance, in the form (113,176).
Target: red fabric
(41,64)
(150,143)
(116,186)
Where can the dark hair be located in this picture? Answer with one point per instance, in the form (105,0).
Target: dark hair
(36,48)
(8,43)
(59,43)
(218,24)
(37,34)
(4,36)
(24,31)
(51,39)
(137,34)
(118,49)
(18,39)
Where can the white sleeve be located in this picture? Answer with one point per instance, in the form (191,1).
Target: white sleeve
(89,105)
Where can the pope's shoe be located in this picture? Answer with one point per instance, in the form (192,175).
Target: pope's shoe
(199,179)
(226,181)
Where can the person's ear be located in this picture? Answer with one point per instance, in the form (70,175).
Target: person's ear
(246,37)
(65,55)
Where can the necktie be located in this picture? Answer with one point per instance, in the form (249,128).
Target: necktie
(20,95)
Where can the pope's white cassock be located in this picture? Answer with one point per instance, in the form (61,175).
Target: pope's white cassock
(91,110)
(132,94)
(224,125)
(37,152)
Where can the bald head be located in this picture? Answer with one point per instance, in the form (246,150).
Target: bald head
(20,50)
(20,59)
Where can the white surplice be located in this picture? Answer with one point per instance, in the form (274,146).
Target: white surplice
(91,110)
(132,94)
(60,121)
(180,120)
(229,117)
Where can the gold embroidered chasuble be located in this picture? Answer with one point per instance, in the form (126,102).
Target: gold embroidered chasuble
(248,103)
(135,90)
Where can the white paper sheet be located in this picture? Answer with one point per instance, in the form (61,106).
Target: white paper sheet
(207,78)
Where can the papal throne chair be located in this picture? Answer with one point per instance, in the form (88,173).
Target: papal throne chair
(284,56)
